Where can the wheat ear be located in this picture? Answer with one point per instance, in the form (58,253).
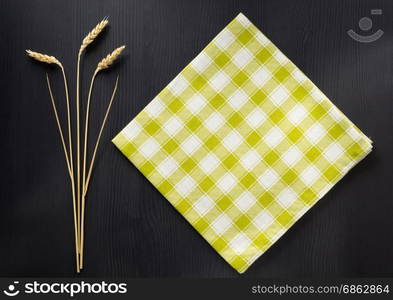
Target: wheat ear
(109,59)
(44,58)
(70,171)
(90,37)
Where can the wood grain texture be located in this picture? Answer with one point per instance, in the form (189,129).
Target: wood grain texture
(131,230)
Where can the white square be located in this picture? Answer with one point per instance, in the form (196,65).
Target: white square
(209,163)
(242,58)
(297,114)
(317,95)
(221,223)
(178,85)
(263,220)
(273,137)
(268,178)
(219,81)
(262,38)
(132,129)
(335,114)
(173,126)
(256,118)
(232,140)
(243,20)
(280,57)
(250,160)
(238,99)
(203,205)
(310,175)
(214,122)
(245,201)
(149,148)
(261,76)
(315,133)
(226,182)
(154,108)
(201,62)
(224,39)
(279,95)
(191,144)
(299,76)
(167,167)
(240,243)
(196,103)
(333,152)
(353,133)
(185,186)
(287,197)
(292,156)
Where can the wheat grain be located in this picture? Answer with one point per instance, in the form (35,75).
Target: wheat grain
(109,59)
(43,58)
(90,37)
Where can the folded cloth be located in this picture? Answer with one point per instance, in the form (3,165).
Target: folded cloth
(242,143)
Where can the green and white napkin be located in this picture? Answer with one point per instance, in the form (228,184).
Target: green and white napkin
(242,143)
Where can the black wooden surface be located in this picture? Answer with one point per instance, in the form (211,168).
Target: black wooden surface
(131,230)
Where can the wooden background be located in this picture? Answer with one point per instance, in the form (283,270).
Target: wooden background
(131,230)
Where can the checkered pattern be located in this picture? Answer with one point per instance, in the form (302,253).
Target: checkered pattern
(242,143)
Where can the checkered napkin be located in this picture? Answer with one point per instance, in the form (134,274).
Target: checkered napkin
(242,143)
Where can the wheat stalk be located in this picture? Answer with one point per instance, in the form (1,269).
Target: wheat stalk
(103,64)
(78,196)
(90,37)
(99,136)
(60,130)
(69,170)
(107,61)
(53,60)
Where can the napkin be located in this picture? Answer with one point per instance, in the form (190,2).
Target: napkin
(242,143)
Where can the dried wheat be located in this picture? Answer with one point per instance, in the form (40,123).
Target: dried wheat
(109,59)
(44,58)
(90,37)
(52,60)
